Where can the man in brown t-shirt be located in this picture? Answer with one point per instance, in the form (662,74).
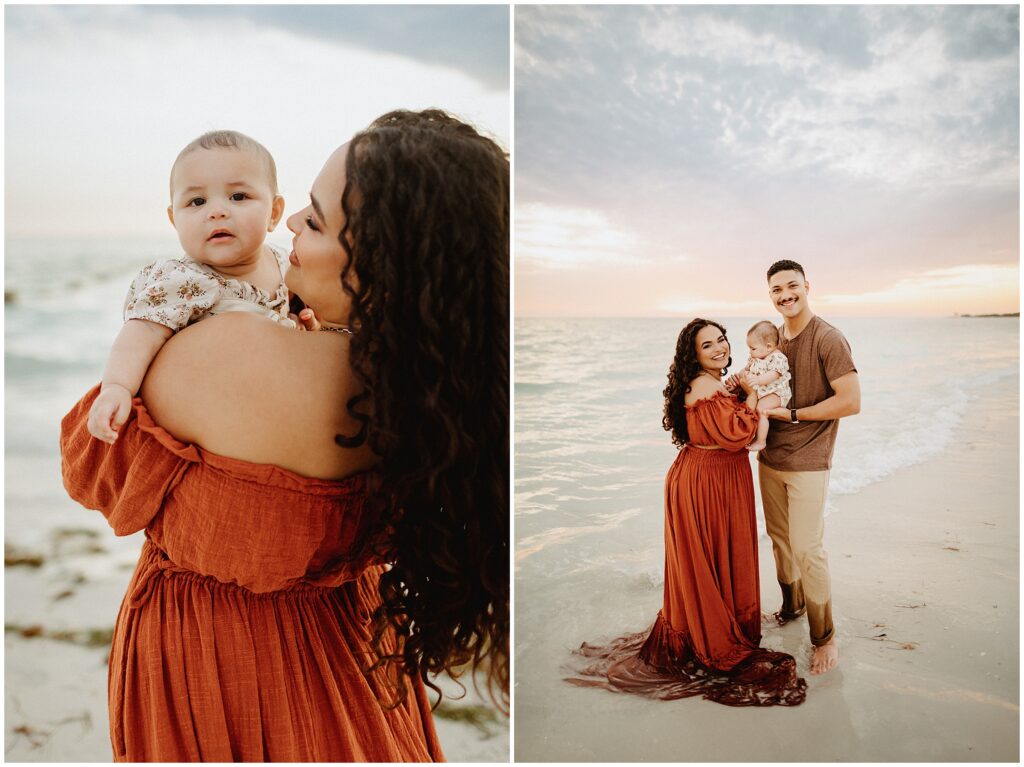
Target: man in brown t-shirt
(794,466)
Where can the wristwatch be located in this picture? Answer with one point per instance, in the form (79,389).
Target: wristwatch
(792,415)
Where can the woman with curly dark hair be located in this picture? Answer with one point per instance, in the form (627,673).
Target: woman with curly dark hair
(321,542)
(706,636)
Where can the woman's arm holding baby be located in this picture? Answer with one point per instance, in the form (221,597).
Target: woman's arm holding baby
(133,350)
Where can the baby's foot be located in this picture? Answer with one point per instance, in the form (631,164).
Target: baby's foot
(753,447)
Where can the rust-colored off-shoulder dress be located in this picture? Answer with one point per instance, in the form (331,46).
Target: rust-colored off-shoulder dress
(706,637)
(246,628)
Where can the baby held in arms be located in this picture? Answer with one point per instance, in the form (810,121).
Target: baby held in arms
(769,372)
(224,201)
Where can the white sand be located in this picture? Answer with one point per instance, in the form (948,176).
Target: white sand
(929,558)
(56,691)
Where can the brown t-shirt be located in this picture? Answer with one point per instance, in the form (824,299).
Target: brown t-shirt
(817,355)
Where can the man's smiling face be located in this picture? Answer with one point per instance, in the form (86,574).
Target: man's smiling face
(788,291)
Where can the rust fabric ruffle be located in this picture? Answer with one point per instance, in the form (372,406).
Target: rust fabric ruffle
(656,665)
(706,637)
(245,633)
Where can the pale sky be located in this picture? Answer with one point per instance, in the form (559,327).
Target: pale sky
(666,156)
(100,99)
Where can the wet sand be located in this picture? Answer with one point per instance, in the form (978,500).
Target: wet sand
(925,571)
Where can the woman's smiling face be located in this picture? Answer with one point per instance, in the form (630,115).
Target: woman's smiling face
(712,349)
(317,258)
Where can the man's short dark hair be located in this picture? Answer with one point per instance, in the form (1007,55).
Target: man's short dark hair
(784,266)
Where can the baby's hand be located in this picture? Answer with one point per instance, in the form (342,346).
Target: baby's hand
(109,412)
(306,320)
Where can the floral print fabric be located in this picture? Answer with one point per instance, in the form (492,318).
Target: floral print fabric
(175,292)
(775,362)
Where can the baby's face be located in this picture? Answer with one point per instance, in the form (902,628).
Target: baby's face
(222,206)
(759,349)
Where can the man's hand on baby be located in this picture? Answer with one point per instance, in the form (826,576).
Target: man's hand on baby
(109,412)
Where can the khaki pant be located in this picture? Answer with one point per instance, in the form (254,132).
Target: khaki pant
(794,507)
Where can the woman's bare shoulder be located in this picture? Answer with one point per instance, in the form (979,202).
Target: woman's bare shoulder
(702,387)
(242,386)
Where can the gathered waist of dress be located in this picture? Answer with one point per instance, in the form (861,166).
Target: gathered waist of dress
(715,455)
(154,564)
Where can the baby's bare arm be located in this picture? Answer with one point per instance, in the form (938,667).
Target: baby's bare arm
(135,347)
(133,350)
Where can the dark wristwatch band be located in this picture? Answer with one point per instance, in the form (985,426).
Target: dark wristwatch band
(792,415)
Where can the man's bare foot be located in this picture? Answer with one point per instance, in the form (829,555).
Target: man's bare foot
(753,447)
(825,657)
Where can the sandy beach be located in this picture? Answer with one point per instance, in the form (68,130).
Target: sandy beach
(59,618)
(925,571)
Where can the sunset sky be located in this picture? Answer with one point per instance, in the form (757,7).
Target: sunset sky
(100,99)
(666,156)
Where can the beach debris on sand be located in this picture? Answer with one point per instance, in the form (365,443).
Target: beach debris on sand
(884,637)
(72,541)
(37,736)
(66,542)
(483,718)
(84,637)
(15,558)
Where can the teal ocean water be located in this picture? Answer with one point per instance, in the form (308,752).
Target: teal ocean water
(591,454)
(62,311)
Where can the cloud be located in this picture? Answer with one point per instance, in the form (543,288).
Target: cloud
(567,238)
(695,91)
(968,288)
(470,38)
(99,100)
(847,136)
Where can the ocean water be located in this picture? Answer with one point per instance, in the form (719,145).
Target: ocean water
(591,454)
(62,310)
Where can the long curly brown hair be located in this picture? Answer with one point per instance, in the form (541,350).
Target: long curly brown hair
(426,204)
(681,372)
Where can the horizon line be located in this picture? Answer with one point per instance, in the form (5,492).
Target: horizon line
(955,315)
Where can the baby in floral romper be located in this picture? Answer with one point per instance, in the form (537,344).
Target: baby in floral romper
(769,372)
(224,201)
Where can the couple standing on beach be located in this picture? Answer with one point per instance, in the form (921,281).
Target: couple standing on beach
(707,635)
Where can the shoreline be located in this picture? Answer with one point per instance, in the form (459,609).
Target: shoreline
(925,568)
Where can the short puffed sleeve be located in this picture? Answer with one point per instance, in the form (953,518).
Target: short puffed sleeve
(126,481)
(171,292)
(777,362)
(724,421)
